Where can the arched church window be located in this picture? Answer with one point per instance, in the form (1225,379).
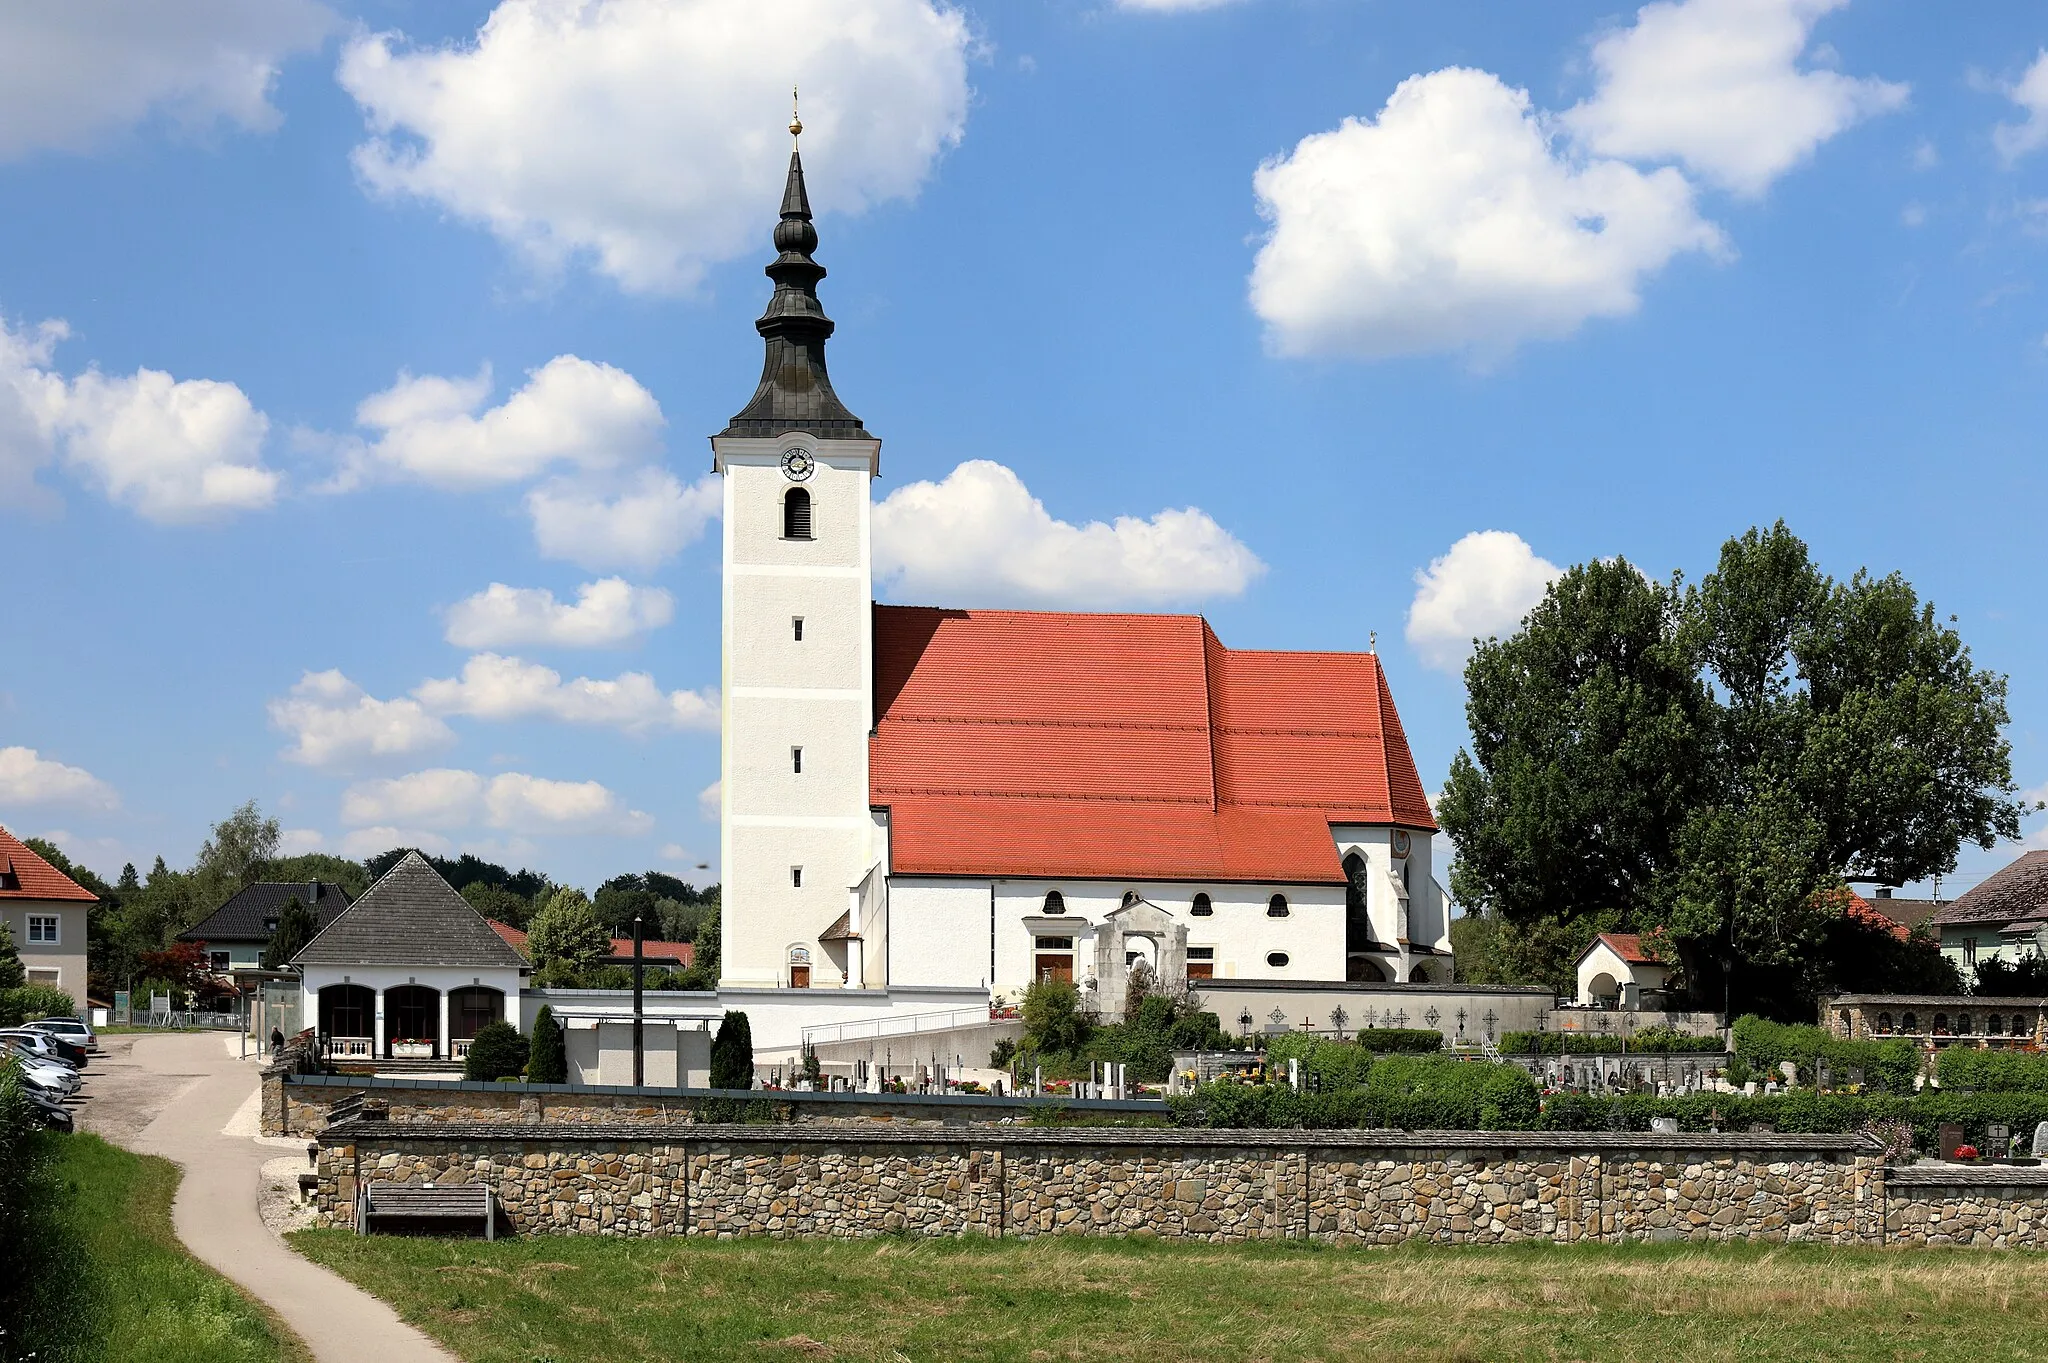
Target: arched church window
(1276,907)
(1909,1023)
(1201,908)
(2020,1027)
(1993,1024)
(1130,897)
(1962,1024)
(796,514)
(1055,902)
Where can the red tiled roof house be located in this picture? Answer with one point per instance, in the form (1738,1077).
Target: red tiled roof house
(45,911)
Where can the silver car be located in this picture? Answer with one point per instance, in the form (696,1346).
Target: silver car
(77,1031)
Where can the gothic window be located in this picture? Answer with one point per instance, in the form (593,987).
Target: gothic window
(1055,902)
(1276,959)
(796,514)
(1276,907)
(1201,908)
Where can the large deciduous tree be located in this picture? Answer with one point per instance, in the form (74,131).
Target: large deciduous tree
(1712,760)
(565,937)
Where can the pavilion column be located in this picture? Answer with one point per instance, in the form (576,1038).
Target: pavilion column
(444,1046)
(379,1042)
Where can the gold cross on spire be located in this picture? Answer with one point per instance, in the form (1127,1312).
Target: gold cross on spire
(796,124)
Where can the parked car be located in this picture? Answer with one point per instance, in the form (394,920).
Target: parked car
(45,1073)
(52,1114)
(77,1031)
(46,1046)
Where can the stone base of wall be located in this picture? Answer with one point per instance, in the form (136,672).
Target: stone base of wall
(1353,1187)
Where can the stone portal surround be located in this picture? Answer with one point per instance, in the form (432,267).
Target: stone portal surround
(1343,1187)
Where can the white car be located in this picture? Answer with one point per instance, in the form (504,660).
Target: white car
(42,1046)
(77,1031)
(43,1074)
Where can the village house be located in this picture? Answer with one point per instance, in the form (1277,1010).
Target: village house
(2003,918)
(236,934)
(44,910)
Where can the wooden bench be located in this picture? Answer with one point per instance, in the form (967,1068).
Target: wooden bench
(427,1202)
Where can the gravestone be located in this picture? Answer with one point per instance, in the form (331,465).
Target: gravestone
(1664,1126)
(1998,1140)
(2040,1149)
(1947,1137)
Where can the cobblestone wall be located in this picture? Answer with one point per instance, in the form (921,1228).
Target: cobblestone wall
(1356,1188)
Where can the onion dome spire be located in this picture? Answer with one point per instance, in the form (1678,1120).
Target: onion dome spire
(795,393)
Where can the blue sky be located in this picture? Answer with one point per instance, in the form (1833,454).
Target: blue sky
(368,307)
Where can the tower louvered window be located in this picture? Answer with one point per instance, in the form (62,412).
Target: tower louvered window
(796,514)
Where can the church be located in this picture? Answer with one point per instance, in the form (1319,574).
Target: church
(940,797)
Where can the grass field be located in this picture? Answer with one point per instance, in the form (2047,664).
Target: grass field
(566,1300)
(118,1286)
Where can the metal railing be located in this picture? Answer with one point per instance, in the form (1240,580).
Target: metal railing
(910,1024)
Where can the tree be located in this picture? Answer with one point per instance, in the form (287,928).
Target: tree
(325,866)
(12,974)
(1054,1021)
(495,901)
(2026,977)
(296,926)
(732,1053)
(547,1059)
(497,1051)
(235,855)
(1716,761)
(565,931)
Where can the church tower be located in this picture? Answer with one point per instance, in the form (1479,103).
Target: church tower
(795,831)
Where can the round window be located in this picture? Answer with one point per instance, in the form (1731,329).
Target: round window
(1276,959)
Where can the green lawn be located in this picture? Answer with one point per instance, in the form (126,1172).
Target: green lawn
(572,1300)
(119,1288)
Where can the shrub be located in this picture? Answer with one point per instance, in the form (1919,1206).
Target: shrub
(497,1051)
(1993,1071)
(1410,1092)
(33,1001)
(1054,1021)
(1887,1065)
(547,1056)
(732,1053)
(1651,1041)
(1401,1040)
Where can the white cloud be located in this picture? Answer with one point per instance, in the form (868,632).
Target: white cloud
(333,721)
(675,851)
(28,778)
(1452,222)
(1716,85)
(368,842)
(2015,140)
(646,135)
(445,798)
(650,520)
(1488,581)
(981,535)
(570,411)
(607,612)
(296,841)
(71,73)
(500,688)
(172,451)
(710,803)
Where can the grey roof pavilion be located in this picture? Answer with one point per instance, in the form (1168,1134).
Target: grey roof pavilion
(410,917)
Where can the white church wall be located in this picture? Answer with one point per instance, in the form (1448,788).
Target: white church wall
(832,731)
(766,651)
(839,505)
(938,932)
(1239,931)
(776,914)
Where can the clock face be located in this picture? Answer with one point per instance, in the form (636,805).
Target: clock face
(1400,842)
(797,465)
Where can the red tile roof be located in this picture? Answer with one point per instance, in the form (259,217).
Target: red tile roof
(1628,946)
(1864,911)
(682,953)
(1125,747)
(24,875)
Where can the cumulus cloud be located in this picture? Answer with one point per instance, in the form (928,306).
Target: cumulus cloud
(173,451)
(645,135)
(28,778)
(1453,222)
(980,534)
(570,411)
(294,842)
(445,798)
(368,842)
(711,802)
(1717,86)
(1488,581)
(648,521)
(500,688)
(606,613)
(333,722)
(2030,134)
(72,73)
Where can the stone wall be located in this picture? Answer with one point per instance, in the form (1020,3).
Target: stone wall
(1350,1187)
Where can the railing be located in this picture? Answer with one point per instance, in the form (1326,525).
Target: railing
(910,1024)
(459,1048)
(351,1047)
(227,1022)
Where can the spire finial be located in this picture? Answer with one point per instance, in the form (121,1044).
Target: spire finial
(1374,636)
(796,124)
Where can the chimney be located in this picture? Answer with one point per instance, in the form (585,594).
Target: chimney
(1884,892)
(313,895)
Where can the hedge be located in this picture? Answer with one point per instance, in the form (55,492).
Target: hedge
(1965,1067)
(1652,1041)
(1888,1065)
(1407,1092)
(1401,1040)
(1803,1111)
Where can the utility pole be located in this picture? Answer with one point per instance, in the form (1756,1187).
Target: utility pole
(639,970)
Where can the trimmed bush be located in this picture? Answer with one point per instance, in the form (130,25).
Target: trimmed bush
(1993,1071)
(497,1051)
(732,1052)
(1401,1040)
(1887,1065)
(1407,1092)
(1650,1041)
(1803,1111)
(547,1054)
